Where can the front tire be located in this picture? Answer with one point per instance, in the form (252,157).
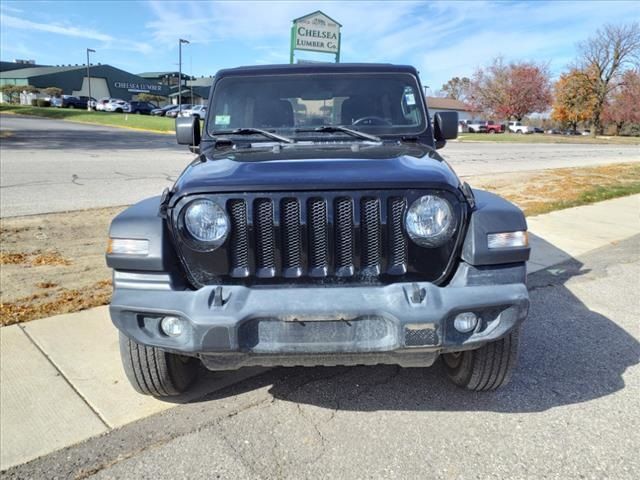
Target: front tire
(487,368)
(152,371)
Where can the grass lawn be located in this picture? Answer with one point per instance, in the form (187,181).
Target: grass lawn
(544,138)
(556,189)
(144,122)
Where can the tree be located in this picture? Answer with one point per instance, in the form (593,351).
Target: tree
(457,88)
(608,53)
(52,91)
(623,108)
(574,98)
(150,97)
(11,91)
(511,90)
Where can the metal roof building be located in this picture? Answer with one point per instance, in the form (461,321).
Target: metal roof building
(106,81)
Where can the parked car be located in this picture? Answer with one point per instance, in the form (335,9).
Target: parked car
(117,105)
(70,101)
(100,103)
(160,112)
(553,131)
(477,126)
(518,127)
(199,111)
(173,113)
(144,108)
(586,132)
(347,243)
(538,130)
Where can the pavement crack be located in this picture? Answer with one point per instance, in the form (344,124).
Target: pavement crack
(64,377)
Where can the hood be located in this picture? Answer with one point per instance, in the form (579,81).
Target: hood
(298,167)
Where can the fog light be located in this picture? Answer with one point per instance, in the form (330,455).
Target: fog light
(465,322)
(172,326)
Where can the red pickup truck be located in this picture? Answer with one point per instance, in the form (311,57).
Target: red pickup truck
(485,126)
(493,127)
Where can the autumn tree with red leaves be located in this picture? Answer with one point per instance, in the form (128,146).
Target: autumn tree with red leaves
(624,106)
(511,90)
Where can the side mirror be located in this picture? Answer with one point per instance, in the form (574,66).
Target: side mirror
(188,131)
(445,127)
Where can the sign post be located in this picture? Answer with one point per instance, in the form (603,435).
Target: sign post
(315,32)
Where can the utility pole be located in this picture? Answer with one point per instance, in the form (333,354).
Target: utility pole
(89,77)
(180,42)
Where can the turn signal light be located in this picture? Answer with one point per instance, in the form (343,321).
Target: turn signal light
(508,239)
(128,246)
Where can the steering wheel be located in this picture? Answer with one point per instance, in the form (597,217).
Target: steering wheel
(371,121)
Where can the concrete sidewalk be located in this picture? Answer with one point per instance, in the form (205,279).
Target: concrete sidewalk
(62,381)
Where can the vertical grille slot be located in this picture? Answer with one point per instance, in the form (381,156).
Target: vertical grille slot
(239,242)
(397,239)
(291,238)
(318,242)
(265,239)
(344,237)
(370,233)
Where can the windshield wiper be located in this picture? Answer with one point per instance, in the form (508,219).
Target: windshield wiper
(338,128)
(251,131)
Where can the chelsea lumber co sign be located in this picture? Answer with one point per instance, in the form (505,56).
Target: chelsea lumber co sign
(138,87)
(316,32)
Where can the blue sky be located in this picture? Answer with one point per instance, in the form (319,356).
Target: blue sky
(442,39)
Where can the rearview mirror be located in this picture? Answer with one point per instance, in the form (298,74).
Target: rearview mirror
(188,131)
(445,126)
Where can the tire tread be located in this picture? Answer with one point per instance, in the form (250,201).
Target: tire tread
(152,371)
(488,367)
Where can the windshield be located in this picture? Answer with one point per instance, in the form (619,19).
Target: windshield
(387,103)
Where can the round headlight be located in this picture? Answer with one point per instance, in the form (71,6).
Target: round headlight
(430,221)
(207,222)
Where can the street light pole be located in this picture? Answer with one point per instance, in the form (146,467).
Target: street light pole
(180,42)
(89,78)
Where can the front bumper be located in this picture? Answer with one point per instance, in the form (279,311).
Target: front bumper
(402,323)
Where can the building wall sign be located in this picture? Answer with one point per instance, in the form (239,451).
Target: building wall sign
(316,32)
(138,87)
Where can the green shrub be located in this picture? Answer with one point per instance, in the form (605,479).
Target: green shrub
(41,102)
(34,102)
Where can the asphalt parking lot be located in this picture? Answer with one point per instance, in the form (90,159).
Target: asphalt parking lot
(85,166)
(570,411)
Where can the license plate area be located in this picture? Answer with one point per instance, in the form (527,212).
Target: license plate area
(364,334)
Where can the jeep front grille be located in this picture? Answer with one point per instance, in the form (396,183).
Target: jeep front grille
(318,236)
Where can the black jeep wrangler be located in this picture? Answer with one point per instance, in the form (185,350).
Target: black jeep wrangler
(318,226)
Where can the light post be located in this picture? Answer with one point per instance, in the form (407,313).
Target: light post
(89,78)
(180,42)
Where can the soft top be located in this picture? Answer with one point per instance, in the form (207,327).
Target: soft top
(317,68)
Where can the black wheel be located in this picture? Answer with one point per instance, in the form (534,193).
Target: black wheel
(118,110)
(486,368)
(155,372)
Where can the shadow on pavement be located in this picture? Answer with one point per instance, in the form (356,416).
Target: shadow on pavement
(568,354)
(87,137)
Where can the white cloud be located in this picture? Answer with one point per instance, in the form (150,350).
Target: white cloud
(15,22)
(108,41)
